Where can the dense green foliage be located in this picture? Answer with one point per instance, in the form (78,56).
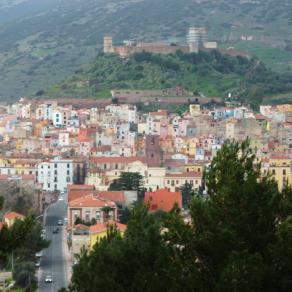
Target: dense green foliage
(19,245)
(187,194)
(212,74)
(239,239)
(43,42)
(128,181)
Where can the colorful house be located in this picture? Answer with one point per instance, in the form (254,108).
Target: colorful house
(11,217)
(98,231)
(163,200)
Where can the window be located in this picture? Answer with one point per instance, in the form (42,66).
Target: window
(49,185)
(68,172)
(56,172)
(284,171)
(273,171)
(68,165)
(55,179)
(177,182)
(87,216)
(55,165)
(97,216)
(68,179)
(55,187)
(104,166)
(116,166)
(168,181)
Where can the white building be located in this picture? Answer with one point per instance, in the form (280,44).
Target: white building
(56,174)
(58,119)
(64,139)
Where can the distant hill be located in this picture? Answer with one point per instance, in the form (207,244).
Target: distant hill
(209,74)
(43,42)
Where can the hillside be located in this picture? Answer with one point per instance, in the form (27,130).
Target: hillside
(210,74)
(43,42)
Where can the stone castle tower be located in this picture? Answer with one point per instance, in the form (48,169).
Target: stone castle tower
(108,45)
(153,151)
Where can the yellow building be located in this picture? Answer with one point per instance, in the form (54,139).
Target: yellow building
(10,217)
(284,107)
(98,231)
(195,110)
(196,166)
(190,148)
(280,169)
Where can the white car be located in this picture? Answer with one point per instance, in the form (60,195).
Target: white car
(48,279)
(61,199)
(60,222)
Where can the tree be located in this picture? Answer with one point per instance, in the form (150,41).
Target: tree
(21,199)
(239,239)
(23,240)
(141,260)
(24,274)
(187,194)
(1,202)
(236,225)
(107,210)
(128,181)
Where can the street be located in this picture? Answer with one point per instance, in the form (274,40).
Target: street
(54,260)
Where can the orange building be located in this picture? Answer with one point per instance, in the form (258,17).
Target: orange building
(163,200)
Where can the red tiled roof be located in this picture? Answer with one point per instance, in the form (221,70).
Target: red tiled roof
(77,191)
(117,159)
(6,177)
(115,196)
(163,200)
(13,215)
(90,201)
(101,227)
(85,139)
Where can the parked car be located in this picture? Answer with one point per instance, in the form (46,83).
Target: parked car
(60,222)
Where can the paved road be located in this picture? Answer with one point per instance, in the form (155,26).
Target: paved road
(53,261)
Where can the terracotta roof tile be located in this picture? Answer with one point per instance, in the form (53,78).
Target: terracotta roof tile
(90,201)
(117,159)
(101,227)
(13,215)
(163,200)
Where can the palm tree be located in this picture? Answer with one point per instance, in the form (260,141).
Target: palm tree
(106,210)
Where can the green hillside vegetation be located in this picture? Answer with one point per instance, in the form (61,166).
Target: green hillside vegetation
(210,74)
(45,42)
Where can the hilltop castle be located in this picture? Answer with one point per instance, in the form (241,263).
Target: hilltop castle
(196,40)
